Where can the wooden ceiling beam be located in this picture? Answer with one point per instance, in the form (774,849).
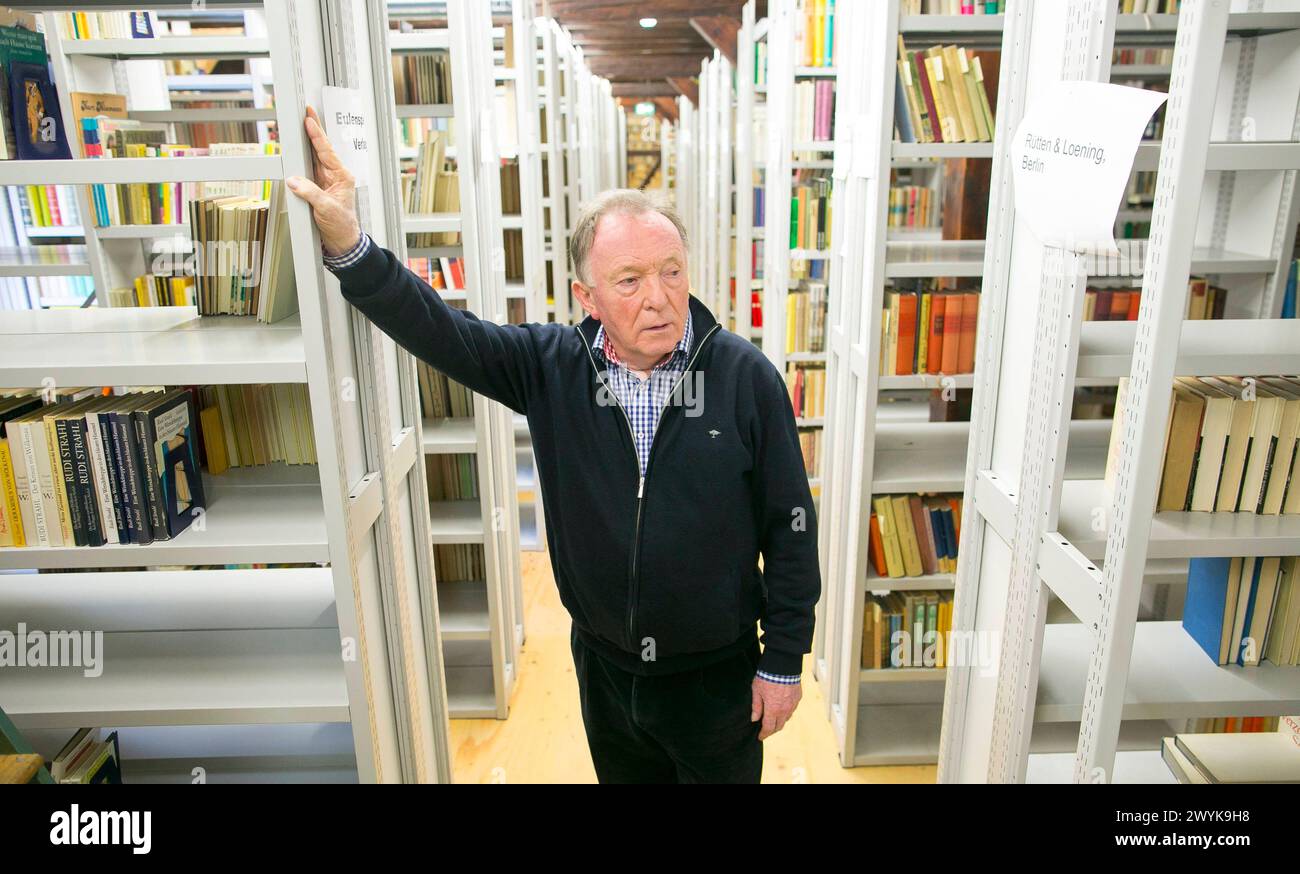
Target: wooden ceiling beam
(568,12)
(721,32)
(640,90)
(686,87)
(645,67)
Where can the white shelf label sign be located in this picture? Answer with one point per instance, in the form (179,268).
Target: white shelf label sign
(348,126)
(1071,157)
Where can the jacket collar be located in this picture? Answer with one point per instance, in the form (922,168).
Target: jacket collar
(702,325)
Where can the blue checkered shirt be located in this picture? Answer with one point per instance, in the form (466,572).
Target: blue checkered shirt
(643,400)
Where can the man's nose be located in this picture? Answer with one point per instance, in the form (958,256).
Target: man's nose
(656,292)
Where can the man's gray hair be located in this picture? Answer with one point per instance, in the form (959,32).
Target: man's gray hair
(619,201)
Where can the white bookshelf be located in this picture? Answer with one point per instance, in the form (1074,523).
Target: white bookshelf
(489,522)
(866,450)
(1040,533)
(213,657)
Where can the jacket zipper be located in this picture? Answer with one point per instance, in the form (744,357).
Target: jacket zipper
(641,478)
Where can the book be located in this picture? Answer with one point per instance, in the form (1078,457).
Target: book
(1252,757)
(39,132)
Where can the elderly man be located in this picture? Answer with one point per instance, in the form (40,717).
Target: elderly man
(669,463)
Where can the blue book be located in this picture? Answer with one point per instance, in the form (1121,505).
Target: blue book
(1206,605)
(902,115)
(941,547)
(1250,610)
(1288,298)
(950,531)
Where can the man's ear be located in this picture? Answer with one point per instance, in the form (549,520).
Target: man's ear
(584,297)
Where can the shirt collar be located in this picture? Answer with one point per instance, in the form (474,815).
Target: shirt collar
(602,344)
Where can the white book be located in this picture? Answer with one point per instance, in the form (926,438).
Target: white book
(99,476)
(1243,757)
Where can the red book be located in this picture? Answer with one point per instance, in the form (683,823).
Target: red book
(906,334)
(918,61)
(924,534)
(951,331)
(1119,306)
(1134,303)
(969,319)
(934,345)
(877,548)
(1101,313)
(955,505)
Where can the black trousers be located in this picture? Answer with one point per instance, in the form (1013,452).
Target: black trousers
(689,727)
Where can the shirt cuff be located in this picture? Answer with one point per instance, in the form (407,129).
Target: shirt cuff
(347,259)
(780,679)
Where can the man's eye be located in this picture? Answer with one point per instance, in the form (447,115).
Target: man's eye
(629,282)
(673,273)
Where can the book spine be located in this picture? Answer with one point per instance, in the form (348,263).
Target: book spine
(56,485)
(99,478)
(87,496)
(157,508)
(112,463)
(9,494)
(131,481)
(67,473)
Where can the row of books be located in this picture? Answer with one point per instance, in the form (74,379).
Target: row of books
(106,25)
(429,186)
(914,206)
(452,477)
(814,41)
(256,425)
(914,535)
(45,206)
(1244,610)
(805,318)
(1204,301)
(442,397)
(814,111)
(906,630)
(22,210)
(940,96)
(810,211)
(98,469)
(441,273)
(807,386)
(810,442)
(422,78)
(1230,445)
(1148,7)
(155,290)
(458,562)
(950,7)
(413,131)
(924,330)
(1242,724)
(204,134)
(242,256)
(1146,56)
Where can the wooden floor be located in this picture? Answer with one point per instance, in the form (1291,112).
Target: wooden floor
(543,740)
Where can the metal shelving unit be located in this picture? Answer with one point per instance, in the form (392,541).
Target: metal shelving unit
(1034,530)
(322,672)
(480,667)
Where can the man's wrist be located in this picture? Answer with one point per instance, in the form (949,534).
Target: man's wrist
(346,259)
(780,679)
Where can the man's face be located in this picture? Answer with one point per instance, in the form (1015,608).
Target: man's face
(640,293)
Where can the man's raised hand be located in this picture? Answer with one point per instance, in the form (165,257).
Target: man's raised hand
(331,196)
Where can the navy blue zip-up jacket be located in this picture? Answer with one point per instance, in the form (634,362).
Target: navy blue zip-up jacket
(668,579)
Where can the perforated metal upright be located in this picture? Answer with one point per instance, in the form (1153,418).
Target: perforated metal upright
(743,158)
(1032,532)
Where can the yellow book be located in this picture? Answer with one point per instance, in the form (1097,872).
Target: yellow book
(56,477)
(889,537)
(972,86)
(948,123)
(12,535)
(952,68)
(214,440)
(907,536)
(923,332)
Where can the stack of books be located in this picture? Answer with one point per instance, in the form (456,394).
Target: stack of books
(807,387)
(913,207)
(458,562)
(256,425)
(814,41)
(452,477)
(805,319)
(441,397)
(1238,758)
(950,7)
(422,78)
(810,211)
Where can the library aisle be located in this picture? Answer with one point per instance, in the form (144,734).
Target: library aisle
(526,391)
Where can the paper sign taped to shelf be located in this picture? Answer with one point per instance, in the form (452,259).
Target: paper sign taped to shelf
(1071,158)
(348,125)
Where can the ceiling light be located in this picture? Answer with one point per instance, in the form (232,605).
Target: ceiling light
(649,22)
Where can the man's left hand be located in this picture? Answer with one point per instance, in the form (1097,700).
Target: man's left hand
(774,703)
